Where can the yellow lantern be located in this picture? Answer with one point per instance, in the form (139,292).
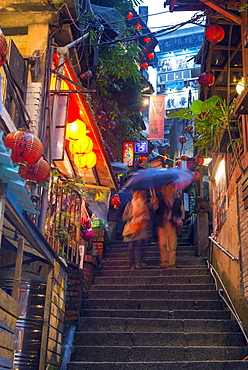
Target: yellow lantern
(63,86)
(83,146)
(76,130)
(85,161)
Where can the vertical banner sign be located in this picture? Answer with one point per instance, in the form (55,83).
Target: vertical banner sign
(128,153)
(156,117)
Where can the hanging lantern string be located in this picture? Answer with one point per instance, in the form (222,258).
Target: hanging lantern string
(17,97)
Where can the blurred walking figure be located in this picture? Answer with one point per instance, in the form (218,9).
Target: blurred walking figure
(136,215)
(168,218)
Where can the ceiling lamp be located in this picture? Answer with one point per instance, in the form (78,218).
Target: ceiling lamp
(214,33)
(240,86)
(76,130)
(206,79)
(26,147)
(3,48)
(85,161)
(81,146)
(37,172)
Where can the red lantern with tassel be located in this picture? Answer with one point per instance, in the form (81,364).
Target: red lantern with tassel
(197,176)
(215,33)
(111,125)
(150,55)
(184,158)
(144,65)
(129,15)
(3,48)
(147,40)
(182,139)
(178,163)
(26,147)
(37,172)
(101,114)
(143,159)
(206,79)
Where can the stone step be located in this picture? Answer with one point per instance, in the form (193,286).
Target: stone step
(155,294)
(152,304)
(182,271)
(161,353)
(147,253)
(158,314)
(119,263)
(154,287)
(112,338)
(158,365)
(156,325)
(145,281)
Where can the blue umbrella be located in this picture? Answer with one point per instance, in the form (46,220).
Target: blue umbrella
(156,178)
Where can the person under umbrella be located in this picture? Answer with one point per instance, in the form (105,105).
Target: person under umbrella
(136,215)
(168,218)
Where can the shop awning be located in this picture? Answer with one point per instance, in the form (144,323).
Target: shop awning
(10,176)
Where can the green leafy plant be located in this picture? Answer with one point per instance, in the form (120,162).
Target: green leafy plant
(211,117)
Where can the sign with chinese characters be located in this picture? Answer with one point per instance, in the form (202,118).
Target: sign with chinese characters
(141,147)
(128,153)
(156,117)
(180,100)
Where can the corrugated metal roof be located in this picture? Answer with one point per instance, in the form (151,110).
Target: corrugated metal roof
(10,176)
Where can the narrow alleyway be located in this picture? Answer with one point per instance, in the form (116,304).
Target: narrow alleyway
(170,319)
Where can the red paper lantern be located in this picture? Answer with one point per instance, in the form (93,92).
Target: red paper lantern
(147,40)
(143,159)
(182,139)
(144,65)
(197,176)
(215,33)
(206,79)
(150,55)
(101,114)
(199,160)
(178,163)
(111,125)
(184,158)
(26,147)
(37,172)
(138,26)
(3,48)
(129,15)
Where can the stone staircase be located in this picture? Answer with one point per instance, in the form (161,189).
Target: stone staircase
(154,319)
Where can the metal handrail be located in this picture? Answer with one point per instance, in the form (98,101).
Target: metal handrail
(223,249)
(227,301)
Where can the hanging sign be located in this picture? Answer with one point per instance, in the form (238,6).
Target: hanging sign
(141,147)
(156,117)
(128,154)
